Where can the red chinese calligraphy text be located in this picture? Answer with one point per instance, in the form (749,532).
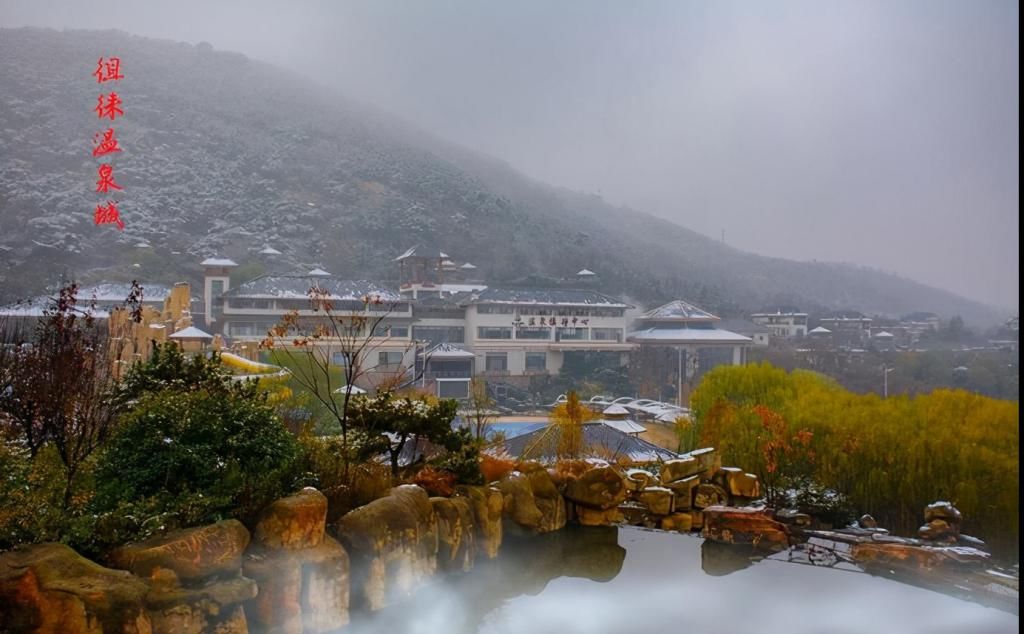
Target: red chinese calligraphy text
(106,145)
(111,107)
(108,70)
(106,180)
(108,214)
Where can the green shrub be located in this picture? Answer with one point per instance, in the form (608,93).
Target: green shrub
(187,458)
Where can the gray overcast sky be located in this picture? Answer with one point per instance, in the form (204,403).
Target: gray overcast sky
(883,133)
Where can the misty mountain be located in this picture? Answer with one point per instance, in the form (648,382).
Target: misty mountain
(224,155)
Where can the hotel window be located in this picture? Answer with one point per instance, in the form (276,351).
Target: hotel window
(571,334)
(536,361)
(216,289)
(242,329)
(389,361)
(496,361)
(439,334)
(391,330)
(528,332)
(606,334)
(494,332)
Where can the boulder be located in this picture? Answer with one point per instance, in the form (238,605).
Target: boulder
(706,495)
(300,591)
(938,530)
(294,522)
(638,479)
(532,504)
(51,589)
(601,488)
(943,511)
(588,516)
(732,525)
(680,468)
(697,519)
(740,484)
(192,553)
(866,521)
(486,504)
(793,517)
(708,461)
(456,533)
(658,500)
(910,557)
(680,522)
(214,606)
(632,513)
(682,491)
(392,543)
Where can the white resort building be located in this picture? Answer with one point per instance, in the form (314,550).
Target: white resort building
(451,328)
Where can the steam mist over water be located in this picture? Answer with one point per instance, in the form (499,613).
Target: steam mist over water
(632,580)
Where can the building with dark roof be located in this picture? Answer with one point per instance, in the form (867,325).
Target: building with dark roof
(599,440)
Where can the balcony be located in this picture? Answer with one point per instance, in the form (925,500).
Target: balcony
(448,374)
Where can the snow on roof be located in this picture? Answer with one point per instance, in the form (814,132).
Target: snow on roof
(585,272)
(104,295)
(142,245)
(355,390)
(616,410)
(599,439)
(459,288)
(218,262)
(298,286)
(448,351)
(318,272)
(467,266)
(269,250)
(884,334)
(625,426)
(684,335)
(544,296)
(420,252)
(820,330)
(191,333)
(678,310)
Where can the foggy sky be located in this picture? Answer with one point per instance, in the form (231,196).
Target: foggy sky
(883,133)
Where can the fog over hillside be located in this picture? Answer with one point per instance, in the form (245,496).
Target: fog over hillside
(224,155)
(878,132)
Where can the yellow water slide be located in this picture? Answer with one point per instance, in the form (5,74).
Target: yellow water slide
(271,377)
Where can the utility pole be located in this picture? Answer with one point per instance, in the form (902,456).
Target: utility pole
(885,380)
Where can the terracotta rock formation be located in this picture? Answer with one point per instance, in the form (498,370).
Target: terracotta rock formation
(683,492)
(51,589)
(532,503)
(192,553)
(732,525)
(706,495)
(601,488)
(658,500)
(301,572)
(294,522)
(392,543)
(456,531)
(678,469)
(486,504)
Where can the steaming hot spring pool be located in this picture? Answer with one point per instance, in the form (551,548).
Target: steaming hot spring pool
(633,581)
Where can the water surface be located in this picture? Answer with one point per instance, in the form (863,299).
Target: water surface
(630,580)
